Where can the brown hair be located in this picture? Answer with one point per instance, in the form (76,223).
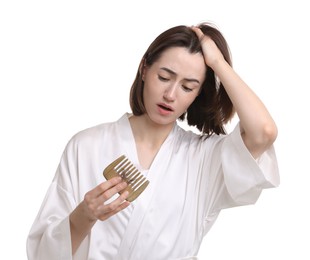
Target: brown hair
(212,108)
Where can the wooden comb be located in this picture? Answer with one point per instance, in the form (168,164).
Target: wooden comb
(130,174)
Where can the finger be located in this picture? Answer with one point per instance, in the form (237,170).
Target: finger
(115,206)
(106,195)
(115,203)
(111,192)
(104,186)
(104,191)
(122,206)
(198,32)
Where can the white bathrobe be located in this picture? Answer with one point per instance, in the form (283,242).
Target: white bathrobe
(191,180)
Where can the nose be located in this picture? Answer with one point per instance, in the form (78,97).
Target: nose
(170,93)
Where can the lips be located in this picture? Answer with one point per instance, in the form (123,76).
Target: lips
(165,107)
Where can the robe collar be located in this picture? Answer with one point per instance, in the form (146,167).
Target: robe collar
(129,244)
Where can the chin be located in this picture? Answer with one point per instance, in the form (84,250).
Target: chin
(162,120)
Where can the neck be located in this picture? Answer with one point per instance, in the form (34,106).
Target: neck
(146,131)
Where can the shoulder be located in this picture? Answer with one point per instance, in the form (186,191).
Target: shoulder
(94,135)
(192,138)
(91,133)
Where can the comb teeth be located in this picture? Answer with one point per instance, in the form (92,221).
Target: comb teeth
(130,174)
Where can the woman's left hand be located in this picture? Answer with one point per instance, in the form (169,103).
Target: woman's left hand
(212,54)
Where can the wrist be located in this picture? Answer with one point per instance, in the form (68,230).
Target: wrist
(81,217)
(217,64)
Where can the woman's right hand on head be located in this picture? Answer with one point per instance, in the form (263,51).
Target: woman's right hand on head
(97,204)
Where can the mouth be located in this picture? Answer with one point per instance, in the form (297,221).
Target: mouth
(165,107)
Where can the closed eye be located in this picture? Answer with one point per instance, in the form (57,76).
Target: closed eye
(163,78)
(186,89)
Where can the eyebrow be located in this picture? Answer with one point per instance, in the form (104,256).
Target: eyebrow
(174,73)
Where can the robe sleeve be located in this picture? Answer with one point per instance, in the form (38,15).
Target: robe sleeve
(236,178)
(245,177)
(49,236)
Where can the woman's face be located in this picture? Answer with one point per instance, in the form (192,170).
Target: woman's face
(172,83)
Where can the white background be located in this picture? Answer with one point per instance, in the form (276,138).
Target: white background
(68,65)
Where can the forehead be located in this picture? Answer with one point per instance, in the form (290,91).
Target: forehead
(183,63)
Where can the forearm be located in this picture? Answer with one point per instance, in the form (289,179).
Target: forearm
(80,226)
(258,128)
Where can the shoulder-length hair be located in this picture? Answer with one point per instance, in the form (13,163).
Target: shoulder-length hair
(212,108)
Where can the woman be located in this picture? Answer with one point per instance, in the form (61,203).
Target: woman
(185,74)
